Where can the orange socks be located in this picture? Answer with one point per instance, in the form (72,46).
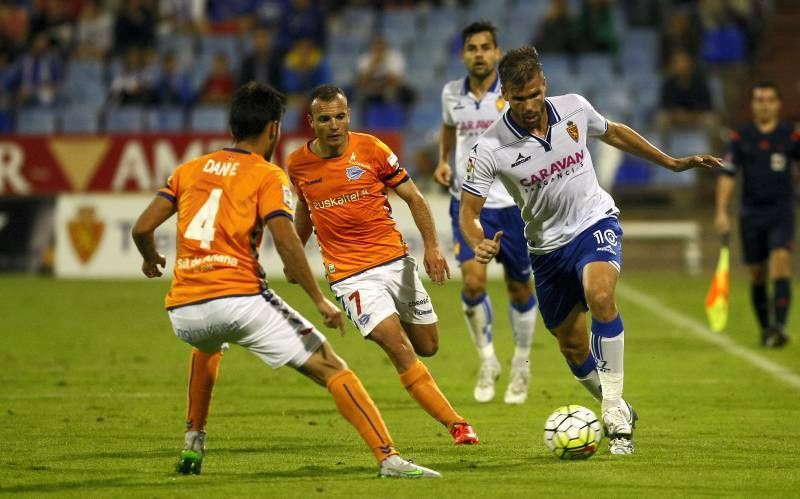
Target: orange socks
(420,384)
(357,407)
(202,376)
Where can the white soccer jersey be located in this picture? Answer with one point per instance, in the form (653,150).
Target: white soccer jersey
(471,117)
(552,180)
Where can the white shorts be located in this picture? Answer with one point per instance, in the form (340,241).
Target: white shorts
(262,323)
(377,293)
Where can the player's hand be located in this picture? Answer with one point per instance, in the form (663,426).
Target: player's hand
(443,174)
(488,248)
(331,315)
(289,277)
(150,269)
(699,161)
(436,266)
(722,224)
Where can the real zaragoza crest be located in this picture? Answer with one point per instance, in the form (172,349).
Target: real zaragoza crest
(85,232)
(572,130)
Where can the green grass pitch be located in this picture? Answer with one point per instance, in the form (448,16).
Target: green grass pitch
(93,384)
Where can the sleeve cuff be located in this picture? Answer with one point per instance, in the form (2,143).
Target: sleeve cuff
(168,197)
(278,213)
(472,190)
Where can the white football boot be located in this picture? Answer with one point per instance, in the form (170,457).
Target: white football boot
(517,391)
(395,466)
(487,377)
(619,423)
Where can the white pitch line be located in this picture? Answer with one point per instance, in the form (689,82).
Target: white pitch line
(660,309)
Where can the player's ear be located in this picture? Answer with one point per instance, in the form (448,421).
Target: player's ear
(273,129)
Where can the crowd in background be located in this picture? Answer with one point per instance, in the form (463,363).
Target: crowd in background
(188,53)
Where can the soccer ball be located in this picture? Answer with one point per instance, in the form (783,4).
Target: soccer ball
(572,432)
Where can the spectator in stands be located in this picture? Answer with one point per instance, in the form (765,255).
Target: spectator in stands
(94,31)
(186,16)
(50,17)
(135,26)
(173,88)
(556,32)
(596,30)
(133,85)
(686,101)
(263,64)
(9,82)
(304,67)
(381,73)
(14,28)
(219,85)
(301,19)
(724,51)
(41,72)
(680,34)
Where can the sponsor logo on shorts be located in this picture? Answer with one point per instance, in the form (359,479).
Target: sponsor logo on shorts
(363,320)
(417,303)
(197,334)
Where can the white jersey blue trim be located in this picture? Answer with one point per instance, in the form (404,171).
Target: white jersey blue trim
(551,179)
(471,117)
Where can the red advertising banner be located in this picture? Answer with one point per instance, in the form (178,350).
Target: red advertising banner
(113,163)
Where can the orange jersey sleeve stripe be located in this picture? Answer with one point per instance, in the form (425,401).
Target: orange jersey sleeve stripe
(348,204)
(223,200)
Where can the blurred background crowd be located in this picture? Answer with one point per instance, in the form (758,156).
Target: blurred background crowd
(675,69)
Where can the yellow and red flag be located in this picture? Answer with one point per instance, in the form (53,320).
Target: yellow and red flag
(719,292)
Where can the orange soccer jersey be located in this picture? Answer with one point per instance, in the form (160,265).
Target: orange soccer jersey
(223,200)
(347,200)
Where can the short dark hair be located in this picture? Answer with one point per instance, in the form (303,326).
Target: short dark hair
(254,105)
(518,66)
(767,84)
(479,27)
(325,93)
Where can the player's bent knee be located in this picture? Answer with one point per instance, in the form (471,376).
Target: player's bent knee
(474,288)
(427,349)
(574,354)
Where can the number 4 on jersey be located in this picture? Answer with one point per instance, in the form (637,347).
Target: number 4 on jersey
(201,228)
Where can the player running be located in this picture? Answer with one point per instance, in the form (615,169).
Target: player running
(538,151)
(469,106)
(224,200)
(764,150)
(342,178)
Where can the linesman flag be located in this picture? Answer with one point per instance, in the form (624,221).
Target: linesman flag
(719,292)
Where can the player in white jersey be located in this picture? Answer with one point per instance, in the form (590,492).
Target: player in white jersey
(538,151)
(469,106)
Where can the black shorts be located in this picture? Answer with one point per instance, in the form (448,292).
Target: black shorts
(765,230)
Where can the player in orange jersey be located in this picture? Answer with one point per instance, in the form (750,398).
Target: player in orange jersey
(223,201)
(342,178)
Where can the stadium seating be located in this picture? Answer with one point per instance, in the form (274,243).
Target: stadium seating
(169,119)
(124,119)
(79,118)
(36,120)
(209,119)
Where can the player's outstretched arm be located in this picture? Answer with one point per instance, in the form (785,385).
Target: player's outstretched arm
(156,213)
(626,139)
(435,263)
(447,142)
(287,244)
(469,221)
